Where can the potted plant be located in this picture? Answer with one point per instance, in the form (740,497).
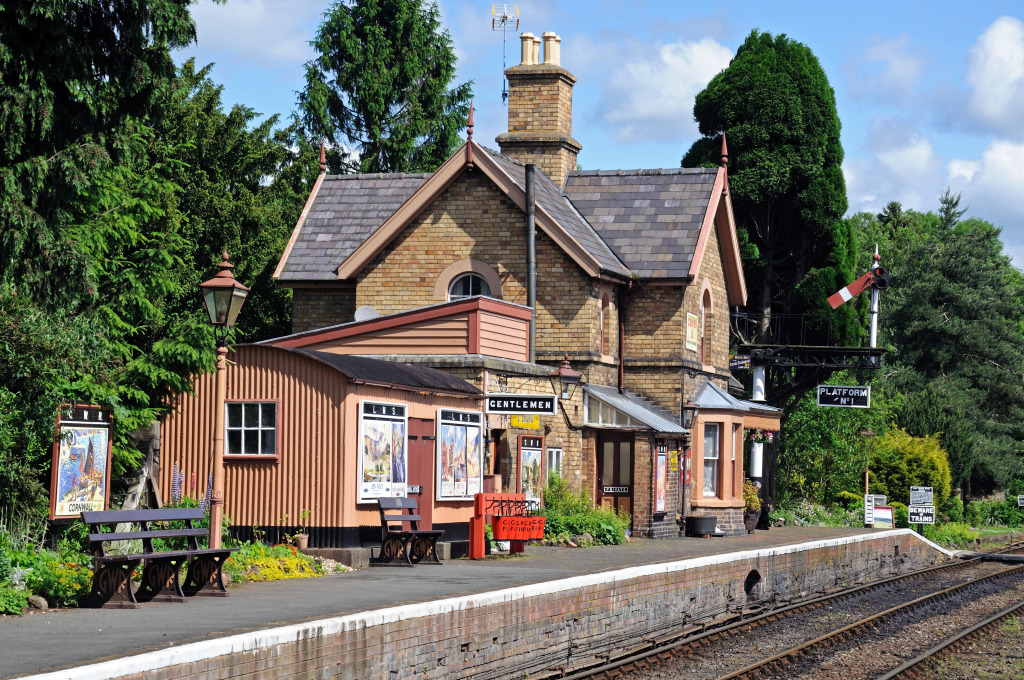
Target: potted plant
(301,539)
(751,505)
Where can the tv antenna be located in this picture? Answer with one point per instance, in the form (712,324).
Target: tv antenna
(502,17)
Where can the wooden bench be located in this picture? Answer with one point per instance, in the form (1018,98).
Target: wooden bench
(403,543)
(112,572)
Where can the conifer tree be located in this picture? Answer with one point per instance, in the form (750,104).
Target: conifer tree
(380,90)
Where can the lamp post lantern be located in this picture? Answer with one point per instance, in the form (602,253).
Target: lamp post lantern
(564,380)
(224,297)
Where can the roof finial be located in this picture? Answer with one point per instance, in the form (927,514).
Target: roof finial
(323,157)
(725,152)
(470,122)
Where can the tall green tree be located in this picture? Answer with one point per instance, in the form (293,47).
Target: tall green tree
(241,183)
(380,90)
(90,244)
(954,317)
(778,112)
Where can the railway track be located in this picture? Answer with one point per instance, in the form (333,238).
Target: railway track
(709,643)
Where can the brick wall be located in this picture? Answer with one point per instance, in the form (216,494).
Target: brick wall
(320,307)
(711,278)
(524,631)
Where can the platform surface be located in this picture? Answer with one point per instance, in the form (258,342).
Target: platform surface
(48,641)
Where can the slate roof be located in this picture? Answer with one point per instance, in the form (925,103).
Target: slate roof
(636,408)
(364,369)
(643,222)
(650,218)
(561,209)
(711,396)
(346,210)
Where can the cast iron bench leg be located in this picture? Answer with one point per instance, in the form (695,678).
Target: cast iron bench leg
(424,548)
(394,552)
(160,581)
(112,586)
(206,575)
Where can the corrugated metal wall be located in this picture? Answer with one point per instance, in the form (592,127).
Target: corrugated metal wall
(317,415)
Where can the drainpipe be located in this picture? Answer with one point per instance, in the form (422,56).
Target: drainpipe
(622,334)
(531,260)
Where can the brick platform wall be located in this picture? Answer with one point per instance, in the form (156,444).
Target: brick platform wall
(524,631)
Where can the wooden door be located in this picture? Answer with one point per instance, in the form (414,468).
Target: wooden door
(615,471)
(421,465)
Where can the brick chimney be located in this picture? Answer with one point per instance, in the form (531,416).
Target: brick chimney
(540,110)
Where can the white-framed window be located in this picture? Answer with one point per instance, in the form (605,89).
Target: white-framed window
(711,456)
(251,428)
(468,285)
(554,462)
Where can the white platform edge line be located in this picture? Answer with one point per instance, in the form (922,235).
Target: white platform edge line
(257,640)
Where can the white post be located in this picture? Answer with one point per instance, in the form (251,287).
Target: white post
(757,448)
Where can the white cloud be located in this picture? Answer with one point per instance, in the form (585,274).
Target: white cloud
(888,71)
(900,165)
(995,76)
(272,33)
(650,97)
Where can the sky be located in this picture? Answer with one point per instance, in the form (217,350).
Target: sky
(930,94)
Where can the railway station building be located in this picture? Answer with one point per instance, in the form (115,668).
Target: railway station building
(633,274)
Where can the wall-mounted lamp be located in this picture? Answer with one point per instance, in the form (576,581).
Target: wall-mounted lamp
(564,380)
(689,414)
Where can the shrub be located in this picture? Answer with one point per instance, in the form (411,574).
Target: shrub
(257,562)
(951,534)
(751,500)
(954,509)
(900,461)
(813,514)
(572,514)
(12,600)
(62,580)
(851,501)
(900,516)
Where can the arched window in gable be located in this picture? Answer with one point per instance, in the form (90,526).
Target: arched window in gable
(706,314)
(468,285)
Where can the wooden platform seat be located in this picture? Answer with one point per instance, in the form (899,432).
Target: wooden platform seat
(403,543)
(161,566)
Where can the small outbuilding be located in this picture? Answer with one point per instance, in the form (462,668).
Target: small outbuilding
(312,439)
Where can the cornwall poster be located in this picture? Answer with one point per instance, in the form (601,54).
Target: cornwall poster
(383,451)
(459,455)
(80,475)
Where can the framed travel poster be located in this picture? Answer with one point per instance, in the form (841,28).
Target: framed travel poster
(531,451)
(383,451)
(459,455)
(80,473)
(661,480)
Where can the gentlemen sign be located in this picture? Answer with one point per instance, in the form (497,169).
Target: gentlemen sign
(522,404)
(844,396)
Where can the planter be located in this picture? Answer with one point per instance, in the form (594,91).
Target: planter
(301,541)
(701,525)
(750,520)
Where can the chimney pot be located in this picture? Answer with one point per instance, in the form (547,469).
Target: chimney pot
(550,48)
(527,49)
(536,52)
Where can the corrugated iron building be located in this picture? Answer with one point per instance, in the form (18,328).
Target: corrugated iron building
(292,442)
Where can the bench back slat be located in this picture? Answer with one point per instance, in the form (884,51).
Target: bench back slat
(133,516)
(399,511)
(136,535)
